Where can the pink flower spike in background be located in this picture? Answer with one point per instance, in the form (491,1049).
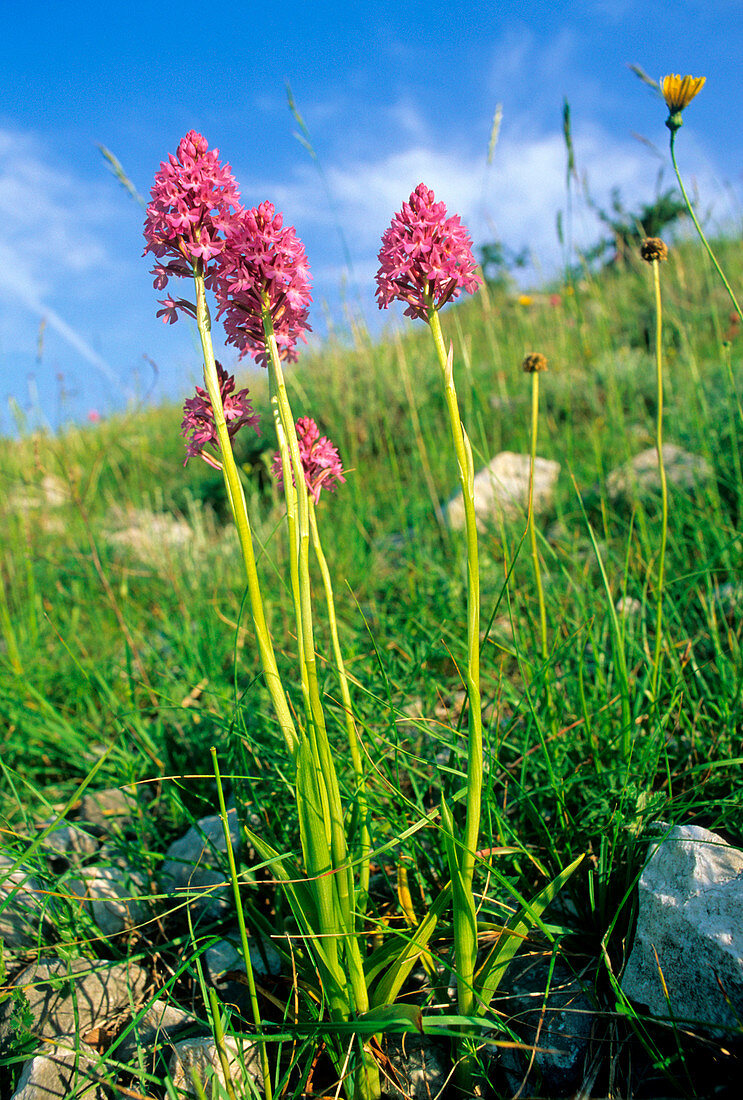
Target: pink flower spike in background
(426,258)
(198,417)
(320,459)
(194,198)
(264,263)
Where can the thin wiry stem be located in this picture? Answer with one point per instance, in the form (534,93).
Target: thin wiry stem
(465,933)
(700,231)
(662,472)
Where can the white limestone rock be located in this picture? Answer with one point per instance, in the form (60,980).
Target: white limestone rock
(112,896)
(59,1073)
(691,915)
(112,809)
(502,487)
(71,997)
(23,905)
(640,476)
(153,1030)
(70,843)
(200,1056)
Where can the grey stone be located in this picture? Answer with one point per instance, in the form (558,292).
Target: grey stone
(113,807)
(641,475)
(111,895)
(68,998)
(553,1013)
(155,1028)
(227,955)
(191,867)
(60,1073)
(690,929)
(729,597)
(502,487)
(150,536)
(23,918)
(628,606)
(71,842)
(201,1056)
(419,1067)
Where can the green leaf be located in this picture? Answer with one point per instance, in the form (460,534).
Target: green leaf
(492,970)
(394,1017)
(398,970)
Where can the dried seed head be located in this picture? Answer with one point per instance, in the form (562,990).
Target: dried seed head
(534,362)
(652,249)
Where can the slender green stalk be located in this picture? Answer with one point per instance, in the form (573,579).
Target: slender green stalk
(663,485)
(254,1008)
(465,940)
(242,523)
(317,780)
(290,496)
(327,775)
(700,231)
(532,527)
(351,730)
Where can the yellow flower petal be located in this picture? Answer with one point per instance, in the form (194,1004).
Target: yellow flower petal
(678,91)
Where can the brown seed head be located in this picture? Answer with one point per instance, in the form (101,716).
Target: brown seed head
(534,362)
(652,249)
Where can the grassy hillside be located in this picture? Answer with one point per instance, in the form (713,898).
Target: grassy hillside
(125,645)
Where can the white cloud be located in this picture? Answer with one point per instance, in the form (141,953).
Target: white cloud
(516,200)
(52,236)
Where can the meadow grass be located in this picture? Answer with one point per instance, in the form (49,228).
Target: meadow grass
(126,646)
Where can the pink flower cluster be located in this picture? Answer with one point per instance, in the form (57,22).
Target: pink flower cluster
(193,200)
(198,417)
(320,459)
(264,264)
(426,258)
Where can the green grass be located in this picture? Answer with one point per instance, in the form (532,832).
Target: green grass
(103,642)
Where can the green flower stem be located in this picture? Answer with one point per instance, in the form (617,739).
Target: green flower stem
(662,472)
(532,527)
(316,715)
(465,948)
(326,774)
(290,496)
(699,230)
(352,732)
(242,523)
(243,931)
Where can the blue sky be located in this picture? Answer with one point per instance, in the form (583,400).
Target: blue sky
(392,94)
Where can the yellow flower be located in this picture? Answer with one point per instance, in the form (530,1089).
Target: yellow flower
(525,299)
(678,92)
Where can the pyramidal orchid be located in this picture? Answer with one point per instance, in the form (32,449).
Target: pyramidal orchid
(426,257)
(263,273)
(199,427)
(425,261)
(193,201)
(321,462)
